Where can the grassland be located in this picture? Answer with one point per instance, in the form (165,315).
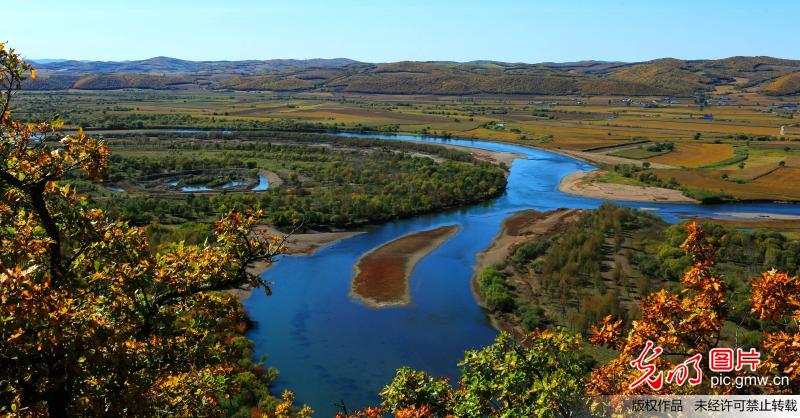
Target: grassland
(722,140)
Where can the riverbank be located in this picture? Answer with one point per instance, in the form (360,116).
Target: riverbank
(495,157)
(382,275)
(760,216)
(585,183)
(515,230)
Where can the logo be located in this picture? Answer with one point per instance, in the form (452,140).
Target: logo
(690,371)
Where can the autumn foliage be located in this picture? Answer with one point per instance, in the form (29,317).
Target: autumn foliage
(690,324)
(776,297)
(92,321)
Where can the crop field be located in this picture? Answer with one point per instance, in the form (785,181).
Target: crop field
(739,140)
(778,185)
(688,154)
(638,153)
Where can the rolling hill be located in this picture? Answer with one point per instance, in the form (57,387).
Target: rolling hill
(787,84)
(665,76)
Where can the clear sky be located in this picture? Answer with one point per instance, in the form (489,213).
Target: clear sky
(382,31)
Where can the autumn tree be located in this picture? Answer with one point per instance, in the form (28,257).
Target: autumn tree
(776,298)
(682,325)
(92,321)
(688,326)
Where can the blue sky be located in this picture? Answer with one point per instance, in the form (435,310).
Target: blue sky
(382,31)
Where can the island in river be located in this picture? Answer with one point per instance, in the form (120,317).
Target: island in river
(382,275)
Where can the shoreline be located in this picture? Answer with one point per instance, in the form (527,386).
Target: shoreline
(389,252)
(495,157)
(759,216)
(272,178)
(516,229)
(583,183)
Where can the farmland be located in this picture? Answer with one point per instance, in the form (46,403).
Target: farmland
(720,143)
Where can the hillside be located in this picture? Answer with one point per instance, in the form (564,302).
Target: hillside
(666,76)
(787,84)
(669,74)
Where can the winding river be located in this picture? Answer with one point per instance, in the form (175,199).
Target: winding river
(329,348)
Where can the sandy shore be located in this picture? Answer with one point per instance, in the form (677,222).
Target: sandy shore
(760,216)
(516,230)
(305,243)
(583,183)
(308,242)
(382,275)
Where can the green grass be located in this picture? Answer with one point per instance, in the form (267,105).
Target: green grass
(617,178)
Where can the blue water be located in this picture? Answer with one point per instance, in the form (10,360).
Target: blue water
(189,189)
(230,184)
(195,189)
(263,184)
(329,347)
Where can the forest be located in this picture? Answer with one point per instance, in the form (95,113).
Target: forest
(608,260)
(327,182)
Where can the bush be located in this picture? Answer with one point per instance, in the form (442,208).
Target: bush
(498,294)
(529,251)
(533,317)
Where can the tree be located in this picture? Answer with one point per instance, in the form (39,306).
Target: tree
(776,298)
(93,322)
(682,326)
(542,375)
(689,327)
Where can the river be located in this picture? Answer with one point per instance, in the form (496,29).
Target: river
(329,347)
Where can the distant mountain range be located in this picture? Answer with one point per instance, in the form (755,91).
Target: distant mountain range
(665,76)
